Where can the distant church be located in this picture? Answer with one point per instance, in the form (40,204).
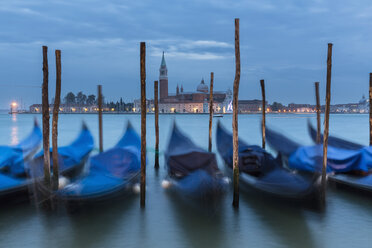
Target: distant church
(190,102)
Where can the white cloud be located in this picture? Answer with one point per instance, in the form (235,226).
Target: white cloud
(191,55)
(205,43)
(191,49)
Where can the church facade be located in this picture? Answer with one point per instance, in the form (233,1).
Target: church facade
(190,102)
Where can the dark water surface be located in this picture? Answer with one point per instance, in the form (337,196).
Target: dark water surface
(168,222)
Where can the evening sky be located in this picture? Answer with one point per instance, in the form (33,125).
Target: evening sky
(282,41)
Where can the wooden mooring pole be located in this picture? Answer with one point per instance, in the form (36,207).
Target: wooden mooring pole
(317,113)
(57,100)
(262,82)
(143,122)
(45,110)
(156,99)
(100,118)
(235,117)
(326,123)
(210,112)
(370,109)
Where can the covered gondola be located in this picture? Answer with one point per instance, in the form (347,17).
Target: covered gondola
(111,174)
(71,158)
(19,177)
(16,155)
(192,171)
(334,141)
(346,164)
(261,172)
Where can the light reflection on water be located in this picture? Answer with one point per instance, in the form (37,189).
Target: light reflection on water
(14,131)
(168,222)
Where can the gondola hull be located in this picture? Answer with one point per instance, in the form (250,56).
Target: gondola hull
(13,190)
(348,163)
(112,174)
(118,189)
(18,182)
(361,184)
(307,192)
(15,156)
(199,185)
(259,172)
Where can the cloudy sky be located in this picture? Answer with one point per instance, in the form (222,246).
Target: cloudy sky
(282,41)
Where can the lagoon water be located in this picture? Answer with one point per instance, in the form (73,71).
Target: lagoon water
(168,222)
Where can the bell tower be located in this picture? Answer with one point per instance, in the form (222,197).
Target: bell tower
(163,79)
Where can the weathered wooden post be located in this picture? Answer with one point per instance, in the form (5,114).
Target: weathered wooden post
(156,97)
(326,123)
(370,109)
(263,113)
(57,100)
(317,112)
(210,113)
(235,117)
(100,118)
(143,123)
(45,110)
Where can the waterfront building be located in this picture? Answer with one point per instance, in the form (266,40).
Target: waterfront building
(68,108)
(301,108)
(252,106)
(187,102)
(363,106)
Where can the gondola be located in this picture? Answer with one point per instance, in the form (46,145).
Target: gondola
(353,179)
(192,171)
(15,156)
(346,167)
(16,182)
(309,158)
(71,158)
(260,172)
(334,141)
(111,174)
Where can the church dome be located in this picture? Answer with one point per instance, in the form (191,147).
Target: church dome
(202,87)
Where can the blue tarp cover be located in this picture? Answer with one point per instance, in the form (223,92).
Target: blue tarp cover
(7,182)
(109,171)
(68,156)
(183,156)
(14,156)
(192,170)
(309,158)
